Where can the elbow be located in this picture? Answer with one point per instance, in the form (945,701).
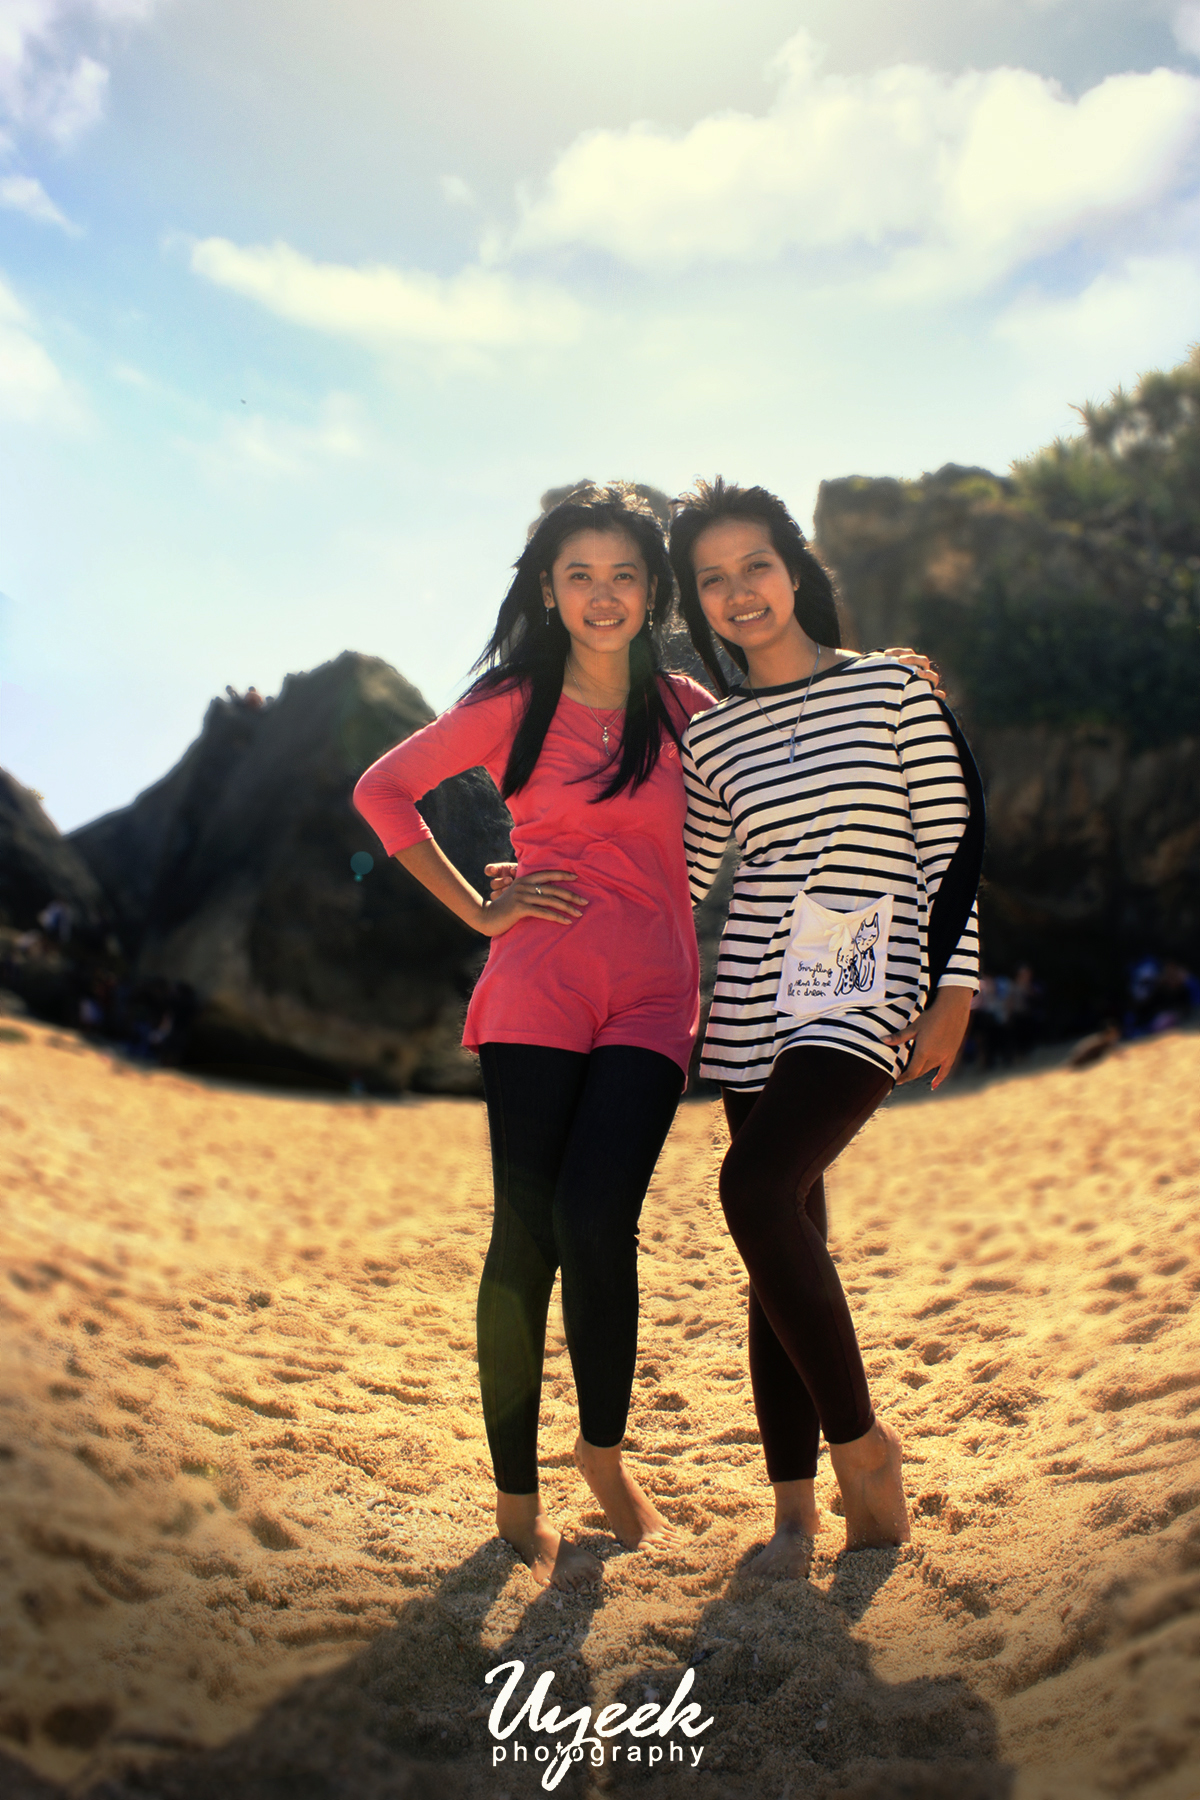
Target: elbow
(374,800)
(362,795)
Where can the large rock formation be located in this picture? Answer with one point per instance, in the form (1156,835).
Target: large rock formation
(38,865)
(233,875)
(892,544)
(1094,830)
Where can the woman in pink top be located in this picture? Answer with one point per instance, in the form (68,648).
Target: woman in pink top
(585,1014)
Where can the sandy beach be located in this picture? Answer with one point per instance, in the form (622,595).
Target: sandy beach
(246,1544)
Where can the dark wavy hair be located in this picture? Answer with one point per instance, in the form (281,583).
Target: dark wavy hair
(530,645)
(709,503)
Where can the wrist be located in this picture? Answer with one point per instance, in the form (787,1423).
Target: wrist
(953,999)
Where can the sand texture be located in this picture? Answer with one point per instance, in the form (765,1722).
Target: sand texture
(246,1544)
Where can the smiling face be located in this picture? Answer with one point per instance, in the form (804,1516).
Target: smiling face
(746,592)
(602,589)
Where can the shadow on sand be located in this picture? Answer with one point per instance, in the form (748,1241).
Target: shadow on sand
(797,1712)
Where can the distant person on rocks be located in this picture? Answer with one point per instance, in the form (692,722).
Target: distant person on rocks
(1026,1010)
(586,1012)
(1162,994)
(851,935)
(251,699)
(57,920)
(991,1020)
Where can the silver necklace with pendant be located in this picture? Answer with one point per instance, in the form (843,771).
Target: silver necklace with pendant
(604,728)
(795,728)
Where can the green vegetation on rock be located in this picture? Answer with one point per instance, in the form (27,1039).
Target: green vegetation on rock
(1031,654)
(1101,627)
(1135,467)
(1062,603)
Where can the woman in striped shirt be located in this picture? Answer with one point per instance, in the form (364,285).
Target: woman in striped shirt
(858,812)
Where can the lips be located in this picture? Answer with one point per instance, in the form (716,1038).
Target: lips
(751,618)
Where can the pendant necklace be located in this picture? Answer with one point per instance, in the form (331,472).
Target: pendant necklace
(795,728)
(604,728)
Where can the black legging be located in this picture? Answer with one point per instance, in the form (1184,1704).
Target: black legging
(805,1366)
(574,1142)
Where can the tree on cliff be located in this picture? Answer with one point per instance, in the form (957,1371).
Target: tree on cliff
(1135,467)
(1092,615)
(1063,604)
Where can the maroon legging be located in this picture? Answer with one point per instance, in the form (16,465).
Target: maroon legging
(805,1366)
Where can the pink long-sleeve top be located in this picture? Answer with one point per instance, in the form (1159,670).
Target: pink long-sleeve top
(627,971)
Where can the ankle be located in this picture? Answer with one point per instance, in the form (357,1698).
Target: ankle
(795,1505)
(598,1456)
(515,1512)
(870,1451)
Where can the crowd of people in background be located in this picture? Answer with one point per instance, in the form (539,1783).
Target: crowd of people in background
(73,972)
(1011,1015)
(1162,994)
(1008,1019)
(150,1019)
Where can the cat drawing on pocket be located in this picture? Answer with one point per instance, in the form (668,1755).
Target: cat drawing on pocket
(856,961)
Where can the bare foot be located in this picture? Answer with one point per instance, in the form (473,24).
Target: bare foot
(869,1475)
(788,1556)
(552,1559)
(797,1520)
(632,1516)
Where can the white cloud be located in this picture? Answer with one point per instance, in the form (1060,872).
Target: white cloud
(254,444)
(478,309)
(134,377)
(1149,307)
(22,193)
(49,84)
(940,181)
(1186,25)
(32,390)
(456,191)
(1142,315)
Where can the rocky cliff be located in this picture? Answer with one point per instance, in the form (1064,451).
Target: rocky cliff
(1076,688)
(232,875)
(1067,644)
(38,865)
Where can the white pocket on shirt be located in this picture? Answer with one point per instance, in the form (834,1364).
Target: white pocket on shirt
(834,960)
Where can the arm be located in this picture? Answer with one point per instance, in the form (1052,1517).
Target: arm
(546,895)
(470,733)
(706,830)
(939,807)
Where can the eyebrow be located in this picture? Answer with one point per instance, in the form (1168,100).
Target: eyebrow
(577,562)
(705,567)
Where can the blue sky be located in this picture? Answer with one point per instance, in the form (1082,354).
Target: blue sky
(303,305)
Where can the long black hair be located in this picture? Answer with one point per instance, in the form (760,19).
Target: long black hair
(530,644)
(709,503)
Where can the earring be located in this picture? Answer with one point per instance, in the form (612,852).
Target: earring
(548,610)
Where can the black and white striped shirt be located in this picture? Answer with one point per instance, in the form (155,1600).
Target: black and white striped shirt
(874,803)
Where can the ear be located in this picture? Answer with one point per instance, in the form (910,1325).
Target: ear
(547,588)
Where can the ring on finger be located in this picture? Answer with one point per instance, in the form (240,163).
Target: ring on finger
(538,892)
